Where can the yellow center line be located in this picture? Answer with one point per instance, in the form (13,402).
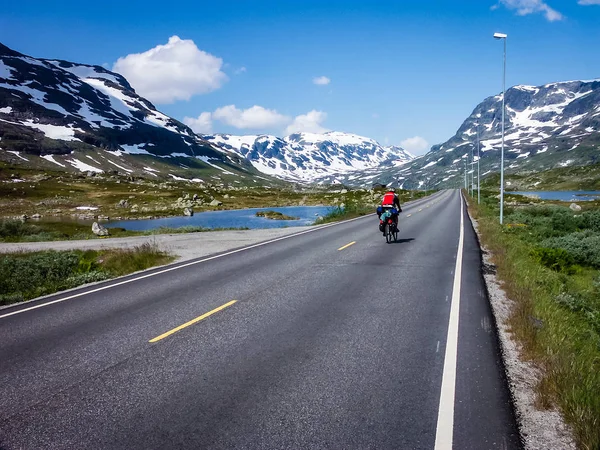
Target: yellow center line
(192,322)
(347,245)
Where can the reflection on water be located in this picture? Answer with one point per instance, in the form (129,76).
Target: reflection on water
(236,218)
(565,196)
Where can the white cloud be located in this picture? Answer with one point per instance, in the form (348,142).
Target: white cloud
(309,123)
(321,81)
(255,117)
(240,70)
(525,7)
(201,124)
(589,2)
(174,71)
(416,145)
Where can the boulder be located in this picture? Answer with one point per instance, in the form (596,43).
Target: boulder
(226,196)
(36,216)
(99,230)
(575,207)
(188,212)
(123,204)
(216,202)
(195,197)
(344,191)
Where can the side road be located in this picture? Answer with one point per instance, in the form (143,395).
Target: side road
(185,246)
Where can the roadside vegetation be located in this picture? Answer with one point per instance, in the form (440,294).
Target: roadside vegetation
(15,230)
(547,257)
(356,206)
(24,276)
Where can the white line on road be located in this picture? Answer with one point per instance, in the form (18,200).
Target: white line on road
(445,423)
(131,280)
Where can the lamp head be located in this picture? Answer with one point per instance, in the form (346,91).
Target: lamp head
(500,36)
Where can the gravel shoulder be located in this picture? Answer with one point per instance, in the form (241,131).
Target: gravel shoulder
(184,246)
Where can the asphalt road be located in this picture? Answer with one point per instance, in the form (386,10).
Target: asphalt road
(327,345)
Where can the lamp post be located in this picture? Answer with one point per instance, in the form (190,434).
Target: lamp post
(503,37)
(478,175)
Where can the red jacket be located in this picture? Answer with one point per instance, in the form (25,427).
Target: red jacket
(391,199)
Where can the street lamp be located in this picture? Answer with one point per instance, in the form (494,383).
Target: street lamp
(503,37)
(478,174)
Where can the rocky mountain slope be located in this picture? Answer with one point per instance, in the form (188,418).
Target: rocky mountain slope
(57,114)
(555,125)
(331,157)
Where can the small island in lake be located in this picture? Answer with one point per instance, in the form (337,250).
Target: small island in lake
(275,215)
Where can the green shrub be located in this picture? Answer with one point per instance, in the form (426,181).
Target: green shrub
(556,259)
(584,246)
(590,220)
(16,228)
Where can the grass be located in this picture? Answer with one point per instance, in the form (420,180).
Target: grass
(546,269)
(275,215)
(349,211)
(24,276)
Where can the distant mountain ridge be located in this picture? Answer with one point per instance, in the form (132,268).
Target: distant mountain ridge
(311,157)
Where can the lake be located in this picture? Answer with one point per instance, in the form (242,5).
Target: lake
(565,196)
(233,218)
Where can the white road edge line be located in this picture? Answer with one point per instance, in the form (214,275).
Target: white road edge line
(445,422)
(260,244)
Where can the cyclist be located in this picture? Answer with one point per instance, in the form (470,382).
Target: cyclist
(390,202)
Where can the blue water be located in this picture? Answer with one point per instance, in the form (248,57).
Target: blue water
(565,196)
(235,218)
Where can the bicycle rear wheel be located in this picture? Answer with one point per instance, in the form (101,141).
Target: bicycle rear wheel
(388,233)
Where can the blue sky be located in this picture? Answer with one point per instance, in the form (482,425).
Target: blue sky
(400,72)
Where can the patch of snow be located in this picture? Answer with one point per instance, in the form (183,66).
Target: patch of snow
(87,208)
(175,177)
(37,97)
(51,159)
(83,167)
(150,169)
(523,155)
(18,154)
(206,160)
(6,72)
(54,131)
(6,110)
(134,149)
(120,167)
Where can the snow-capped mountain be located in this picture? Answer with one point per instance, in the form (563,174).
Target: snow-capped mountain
(310,157)
(548,126)
(79,117)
